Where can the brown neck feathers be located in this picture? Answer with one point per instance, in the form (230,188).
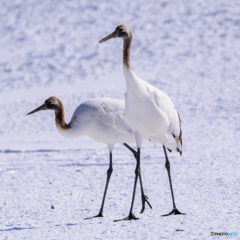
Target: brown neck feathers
(126,50)
(60,117)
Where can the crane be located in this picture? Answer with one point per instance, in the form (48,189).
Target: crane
(101,119)
(149,112)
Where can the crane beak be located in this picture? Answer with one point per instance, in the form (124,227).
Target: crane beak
(43,107)
(111,35)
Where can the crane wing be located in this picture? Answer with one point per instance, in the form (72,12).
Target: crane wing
(114,115)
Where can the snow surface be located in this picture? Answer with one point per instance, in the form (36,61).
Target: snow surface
(188,49)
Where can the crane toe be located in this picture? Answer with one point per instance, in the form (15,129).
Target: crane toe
(175,211)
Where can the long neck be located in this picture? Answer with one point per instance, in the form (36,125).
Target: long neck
(132,81)
(60,118)
(126,50)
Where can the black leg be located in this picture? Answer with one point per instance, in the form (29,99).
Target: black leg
(131,216)
(167,165)
(143,196)
(109,172)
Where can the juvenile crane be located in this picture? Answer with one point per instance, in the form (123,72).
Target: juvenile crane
(101,119)
(150,113)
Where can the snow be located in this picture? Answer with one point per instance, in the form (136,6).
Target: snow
(188,49)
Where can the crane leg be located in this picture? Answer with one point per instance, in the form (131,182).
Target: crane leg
(143,196)
(109,172)
(131,216)
(167,165)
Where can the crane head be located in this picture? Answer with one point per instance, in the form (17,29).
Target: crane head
(121,31)
(51,103)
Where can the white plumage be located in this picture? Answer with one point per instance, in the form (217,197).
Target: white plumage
(151,113)
(102,119)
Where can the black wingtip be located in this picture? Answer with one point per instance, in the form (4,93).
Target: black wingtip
(179,151)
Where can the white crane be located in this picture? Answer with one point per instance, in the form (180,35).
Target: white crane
(149,111)
(101,119)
